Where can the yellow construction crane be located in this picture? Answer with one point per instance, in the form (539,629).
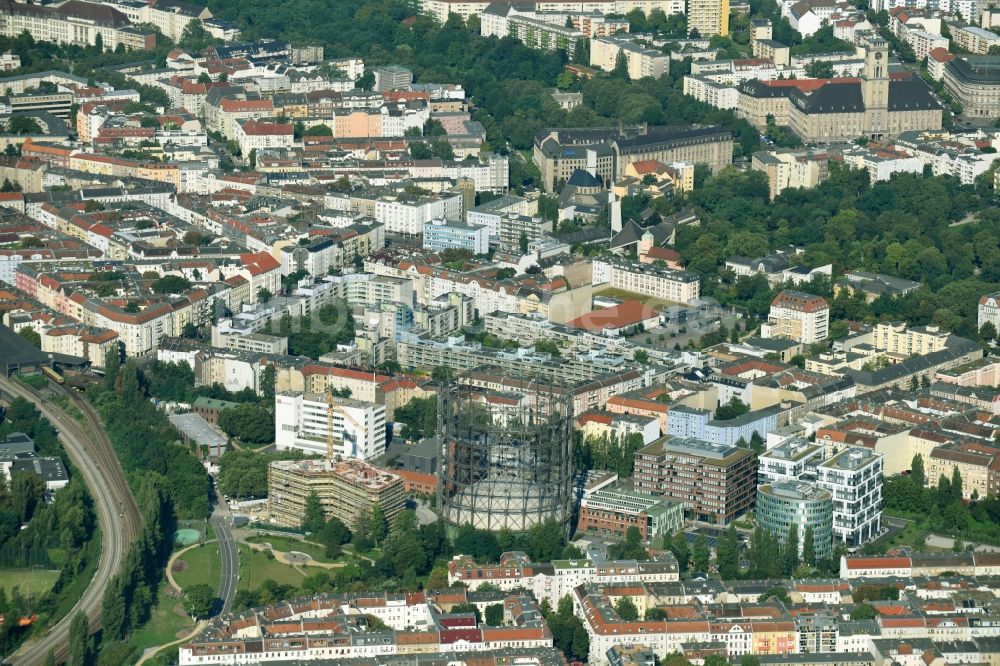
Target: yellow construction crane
(331,407)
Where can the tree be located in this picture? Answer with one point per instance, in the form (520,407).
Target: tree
(27,491)
(171,284)
(31,336)
(199,600)
(917,474)
(523,243)
(23,125)
(749,660)
(250,423)
(378,525)
(79,640)
(626,609)
(727,554)
(700,553)
(313,516)
(809,547)
(790,551)
(735,407)
(494,615)
(620,70)
(264,295)
(956,484)
(864,612)
(268,380)
(988,331)
(681,551)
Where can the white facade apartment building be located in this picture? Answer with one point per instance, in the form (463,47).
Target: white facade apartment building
(897,338)
(798,316)
(257,135)
(854,477)
(973,39)
(647,280)
(642,62)
(989,310)
(924,42)
(408,216)
(710,92)
(440,9)
(302,422)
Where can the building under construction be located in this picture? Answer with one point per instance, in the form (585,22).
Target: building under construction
(347,489)
(506,452)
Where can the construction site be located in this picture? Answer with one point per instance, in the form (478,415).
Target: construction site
(506,453)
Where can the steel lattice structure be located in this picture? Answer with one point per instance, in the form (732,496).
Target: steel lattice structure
(506,452)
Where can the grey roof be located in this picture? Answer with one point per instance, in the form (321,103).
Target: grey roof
(582,178)
(911,95)
(50,469)
(16,444)
(956,347)
(831,98)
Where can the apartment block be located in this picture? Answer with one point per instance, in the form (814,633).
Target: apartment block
(799,316)
(348,490)
(708,17)
(791,168)
(307,422)
(74,22)
(973,39)
(788,461)
(642,61)
(989,310)
(898,338)
(444,235)
(647,280)
(854,477)
(716,483)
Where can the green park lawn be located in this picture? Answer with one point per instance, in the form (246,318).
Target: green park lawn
(202,565)
(256,567)
(164,624)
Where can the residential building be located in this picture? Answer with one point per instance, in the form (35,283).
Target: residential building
(989,310)
(881,162)
(392,77)
(647,280)
(253,135)
(797,315)
(874,285)
(641,61)
(308,422)
(606,151)
(973,39)
(716,483)
(708,17)
(787,167)
(347,490)
(74,22)
(803,505)
(441,234)
(854,478)
(790,460)
(611,509)
(898,338)
(974,82)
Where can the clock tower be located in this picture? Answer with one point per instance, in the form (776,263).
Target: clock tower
(875,88)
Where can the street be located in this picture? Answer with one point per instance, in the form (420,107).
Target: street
(116,511)
(221,522)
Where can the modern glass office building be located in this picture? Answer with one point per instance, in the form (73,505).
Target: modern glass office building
(787,503)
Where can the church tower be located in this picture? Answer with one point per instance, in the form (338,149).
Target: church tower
(875,88)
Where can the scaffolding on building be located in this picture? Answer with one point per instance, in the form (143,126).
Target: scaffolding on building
(506,451)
